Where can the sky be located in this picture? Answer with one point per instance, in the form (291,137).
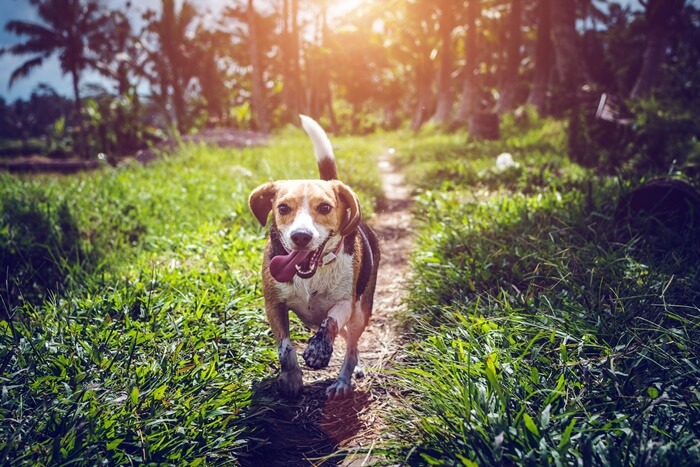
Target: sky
(50,71)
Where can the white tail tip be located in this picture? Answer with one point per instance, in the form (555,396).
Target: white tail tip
(322,145)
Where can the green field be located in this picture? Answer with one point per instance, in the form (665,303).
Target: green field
(539,331)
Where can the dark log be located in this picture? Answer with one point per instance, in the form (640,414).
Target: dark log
(484,125)
(38,164)
(667,209)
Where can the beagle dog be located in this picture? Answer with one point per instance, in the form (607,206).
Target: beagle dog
(320,262)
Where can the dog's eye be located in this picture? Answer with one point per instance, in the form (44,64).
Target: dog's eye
(324,208)
(284,209)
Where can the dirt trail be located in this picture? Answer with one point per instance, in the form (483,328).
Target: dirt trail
(313,429)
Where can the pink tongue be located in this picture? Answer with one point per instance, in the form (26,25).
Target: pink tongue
(283,268)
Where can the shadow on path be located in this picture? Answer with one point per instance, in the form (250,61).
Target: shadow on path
(306,432)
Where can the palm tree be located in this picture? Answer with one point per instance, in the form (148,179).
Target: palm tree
(471,81)
(65,29)
(566,52)
(544,57)
(659,16)
(257,72)
(509,79)
(443,110)
(171,57)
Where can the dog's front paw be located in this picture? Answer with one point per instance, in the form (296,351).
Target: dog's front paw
(320,348)
(290,384)
(341,389)
(318,352)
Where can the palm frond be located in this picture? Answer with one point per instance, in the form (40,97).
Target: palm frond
(58,13)
(26,28)
(24,69)
(34,46)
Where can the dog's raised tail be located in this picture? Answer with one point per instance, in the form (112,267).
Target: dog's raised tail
(322,148)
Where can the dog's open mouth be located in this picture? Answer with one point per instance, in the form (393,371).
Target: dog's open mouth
(303,263)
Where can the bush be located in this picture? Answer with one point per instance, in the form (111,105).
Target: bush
(663,136)
(17,148)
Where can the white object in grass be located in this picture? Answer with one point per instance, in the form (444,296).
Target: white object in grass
(505,161)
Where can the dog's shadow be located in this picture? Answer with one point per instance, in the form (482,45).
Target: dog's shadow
(304,432)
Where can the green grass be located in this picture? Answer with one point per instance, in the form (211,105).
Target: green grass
(540,331)
(142,339)
(540,334)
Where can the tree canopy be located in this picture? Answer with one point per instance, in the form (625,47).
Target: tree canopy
(256,64)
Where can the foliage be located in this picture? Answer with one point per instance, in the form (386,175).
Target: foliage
(30,119)
(12,147)
(149,356)
(665,134)
(662,138)
(114,125)
(539,337)
(57,141)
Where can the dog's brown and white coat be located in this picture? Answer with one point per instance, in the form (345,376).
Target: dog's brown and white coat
(320,262)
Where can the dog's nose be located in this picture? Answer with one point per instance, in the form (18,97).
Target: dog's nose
(301,238)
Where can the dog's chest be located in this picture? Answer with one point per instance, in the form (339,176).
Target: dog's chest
(311,298)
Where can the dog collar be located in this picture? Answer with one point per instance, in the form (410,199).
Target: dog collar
(332,255)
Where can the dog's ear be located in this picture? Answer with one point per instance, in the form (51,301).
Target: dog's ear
(347,196)
(260,201)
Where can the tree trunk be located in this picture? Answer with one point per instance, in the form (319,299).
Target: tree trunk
(331,112)
(297,96)
(470,87)
(510,79)
(654,52)
(326,91)
(257,79)
(565,38)
(543,58)
(443,109)
(424,94)
(659,14)
(179,106)
(284,52)
(79,113)
(290,59)
(484,125)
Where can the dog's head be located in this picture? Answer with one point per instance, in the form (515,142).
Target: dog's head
(307,214)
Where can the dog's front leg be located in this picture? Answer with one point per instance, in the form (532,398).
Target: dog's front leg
(320,347)
(290,382)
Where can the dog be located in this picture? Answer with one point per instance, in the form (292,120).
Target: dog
(320,262)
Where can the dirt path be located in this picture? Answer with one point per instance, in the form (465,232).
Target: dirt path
(344,432)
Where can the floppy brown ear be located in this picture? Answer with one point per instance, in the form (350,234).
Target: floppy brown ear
(347,196)
(260,201)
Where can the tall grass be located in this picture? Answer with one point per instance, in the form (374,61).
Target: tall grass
(539,336)
(145,353)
